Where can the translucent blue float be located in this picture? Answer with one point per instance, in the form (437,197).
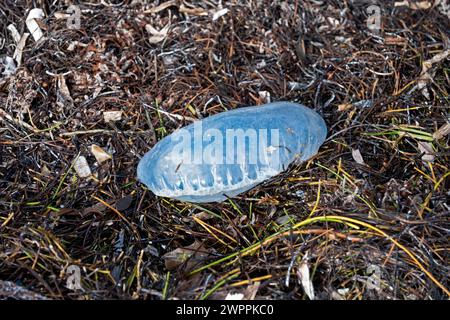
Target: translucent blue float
(231,152)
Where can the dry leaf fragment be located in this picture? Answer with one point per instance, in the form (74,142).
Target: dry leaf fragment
(156,35)
(32,24)
(442,131)
(427,76)
(264,96)
(192,11)
(19,48)
(357,156)
(251,291)
(340,294)
(219,14)
(61,15)
(74,44)
(395,40)
(112,116)
(333,22)
(415,5)
(8,65)
(63,98)
(203,215)
(81,167)
(99,154)
(336,296)
(191,255)
(304,277)
(234,296)
(427,149)
(343,291)
(14,33)
(45,172)
(283,220)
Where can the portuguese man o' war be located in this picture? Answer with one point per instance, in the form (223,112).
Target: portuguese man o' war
(231,152)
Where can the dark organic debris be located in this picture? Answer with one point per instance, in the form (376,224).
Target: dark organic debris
(133,73)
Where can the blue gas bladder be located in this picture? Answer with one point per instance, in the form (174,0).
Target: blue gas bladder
(231,152)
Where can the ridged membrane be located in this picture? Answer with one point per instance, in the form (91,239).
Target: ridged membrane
(164,171)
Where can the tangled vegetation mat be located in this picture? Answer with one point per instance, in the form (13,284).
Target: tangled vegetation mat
(82,100)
